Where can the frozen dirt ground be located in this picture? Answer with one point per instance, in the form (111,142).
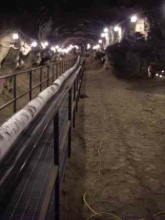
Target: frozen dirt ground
(128,119)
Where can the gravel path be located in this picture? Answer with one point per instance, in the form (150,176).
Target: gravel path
(127,120)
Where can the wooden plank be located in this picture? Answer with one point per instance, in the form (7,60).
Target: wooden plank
(45,205)
(65,135)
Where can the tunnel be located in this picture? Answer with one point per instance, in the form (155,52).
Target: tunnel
(82,115)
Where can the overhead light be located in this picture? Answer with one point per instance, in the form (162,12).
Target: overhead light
(15,36)
(102,35)
(106,35)
(106,30)
(59,50)
(116,28)
(65,50)
(88,46)
(53,49)
(162,71)
(34,44)
(57,47)
(134,19)
(100,41)
(96,47)
(46,44)
(161,76)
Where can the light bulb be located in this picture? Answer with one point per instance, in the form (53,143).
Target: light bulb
(134,19)
(15,36)
(34,44)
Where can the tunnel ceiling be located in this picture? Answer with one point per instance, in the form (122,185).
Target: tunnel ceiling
(81,22)
(73,21)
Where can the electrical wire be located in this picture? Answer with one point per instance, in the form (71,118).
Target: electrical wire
(100,163)
(110,215)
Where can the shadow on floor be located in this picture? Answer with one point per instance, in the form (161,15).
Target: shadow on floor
(74,181)
(154,86)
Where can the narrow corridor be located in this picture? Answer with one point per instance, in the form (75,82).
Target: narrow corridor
(118,156)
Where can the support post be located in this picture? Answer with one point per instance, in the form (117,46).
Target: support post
(47,76)
(30,85)
(77,93)
(56,162)
(70,119)
(41,80)
(15,94)
(57,69)
(74,98)
(53,73)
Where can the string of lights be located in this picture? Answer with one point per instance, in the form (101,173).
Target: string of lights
(105,34)
(117,27)
(42,45)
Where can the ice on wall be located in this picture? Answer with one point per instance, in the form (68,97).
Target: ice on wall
(11,129)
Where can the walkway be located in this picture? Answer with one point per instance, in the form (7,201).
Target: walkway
(126,121)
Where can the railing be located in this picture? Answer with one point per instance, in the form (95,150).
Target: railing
(59,113)
(35,80)
(55,182)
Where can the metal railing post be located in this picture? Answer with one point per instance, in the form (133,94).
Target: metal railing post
(53,73)
(41,79)
(56,162)
(47,76)
(81,77)
(76,82)
(15,94)
(70,119)
(30,85)
(62,66)
(57,71)
(65,65)
(78,76)
(74,98)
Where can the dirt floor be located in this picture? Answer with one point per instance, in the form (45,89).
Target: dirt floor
(118,151)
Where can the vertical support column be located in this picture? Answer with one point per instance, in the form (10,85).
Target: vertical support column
(41,80)
(30,85)
(67,63)
(57,69)
(15,94)
(70,119)
(53,73)
(81,79)
(74,99)
(57,163)
(78,76)
(76,85)
(62,66)
(47,76)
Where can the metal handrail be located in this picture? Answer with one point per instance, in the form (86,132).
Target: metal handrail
(71,92)
(51,71)
(25,71)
